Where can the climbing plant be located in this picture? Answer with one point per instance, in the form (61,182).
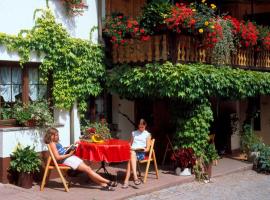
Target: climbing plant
(191,85)
(76,65)
(188,82)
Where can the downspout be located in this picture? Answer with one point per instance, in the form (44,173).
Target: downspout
(99,18)
(71,123)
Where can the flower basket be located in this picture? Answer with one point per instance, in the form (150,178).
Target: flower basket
(30,123)
(184,158)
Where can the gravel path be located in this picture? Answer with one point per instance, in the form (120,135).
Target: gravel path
(247,185)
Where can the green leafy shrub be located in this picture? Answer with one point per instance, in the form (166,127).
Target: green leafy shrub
(154,15)
(25,160)
(263,161)
(37,111)
(248,139)
(210,154)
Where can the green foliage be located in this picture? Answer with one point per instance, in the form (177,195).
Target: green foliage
(154,15)
(188,82)
(37,111)
(223,49)
(25,160)
(210,154)
(193,126)
(76,65)
(249,140)
(263,160)
(5,112)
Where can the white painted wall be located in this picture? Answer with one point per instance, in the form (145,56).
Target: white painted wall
(10,137)
(126,107)
(16,15)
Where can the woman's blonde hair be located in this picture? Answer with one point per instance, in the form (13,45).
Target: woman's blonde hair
(51,131)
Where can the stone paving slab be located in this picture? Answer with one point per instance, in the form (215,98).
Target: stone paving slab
(81,188)
(245,185)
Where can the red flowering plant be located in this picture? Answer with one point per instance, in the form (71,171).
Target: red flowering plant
(184,158)
(246,33)
(74,7)
(118,28)
(263,38)
(181,18)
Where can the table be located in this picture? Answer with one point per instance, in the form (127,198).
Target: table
(112,150)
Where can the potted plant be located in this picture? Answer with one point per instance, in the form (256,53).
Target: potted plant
(6,117)
(25,162)
(209,158)
(33,114)
(184,160)
(95,132)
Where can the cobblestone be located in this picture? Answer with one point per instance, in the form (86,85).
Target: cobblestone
(247,185)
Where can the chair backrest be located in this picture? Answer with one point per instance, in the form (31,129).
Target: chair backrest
(51,156)
(151,150)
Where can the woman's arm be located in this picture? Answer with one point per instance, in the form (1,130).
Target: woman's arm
(148,143)
(57,155)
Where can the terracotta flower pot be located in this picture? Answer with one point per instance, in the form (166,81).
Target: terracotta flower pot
(25,180)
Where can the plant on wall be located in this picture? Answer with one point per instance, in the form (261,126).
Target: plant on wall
(74,7)
(74,65)
(118,28)
(154,14)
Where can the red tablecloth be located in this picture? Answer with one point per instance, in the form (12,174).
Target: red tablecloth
(112,150)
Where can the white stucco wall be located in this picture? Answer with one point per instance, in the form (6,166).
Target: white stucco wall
(16,15)
(10,137)
(126,107)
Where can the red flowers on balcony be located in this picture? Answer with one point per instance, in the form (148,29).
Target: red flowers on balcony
(119,28)
(74,7)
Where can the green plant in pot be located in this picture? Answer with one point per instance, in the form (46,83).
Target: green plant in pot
(33,114)
(209,157)
(25,162)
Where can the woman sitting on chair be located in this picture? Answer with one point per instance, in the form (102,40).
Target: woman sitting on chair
(140,144)
(52,138)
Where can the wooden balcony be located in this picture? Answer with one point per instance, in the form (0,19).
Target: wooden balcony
(184,49)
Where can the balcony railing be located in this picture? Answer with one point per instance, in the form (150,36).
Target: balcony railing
(184,49)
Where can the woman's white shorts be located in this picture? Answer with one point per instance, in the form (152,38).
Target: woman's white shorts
(73,162)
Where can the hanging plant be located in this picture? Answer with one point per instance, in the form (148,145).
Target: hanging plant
(74,7)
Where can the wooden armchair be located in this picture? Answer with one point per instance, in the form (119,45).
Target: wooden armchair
(52,164)
(151,157)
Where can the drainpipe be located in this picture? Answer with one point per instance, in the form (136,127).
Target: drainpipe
(71,123)
(99,18)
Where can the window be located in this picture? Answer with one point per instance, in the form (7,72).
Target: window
(20,84)
(10,84)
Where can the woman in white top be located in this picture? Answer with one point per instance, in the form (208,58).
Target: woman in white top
(140,143)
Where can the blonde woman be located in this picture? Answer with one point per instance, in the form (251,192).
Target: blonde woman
(52,138)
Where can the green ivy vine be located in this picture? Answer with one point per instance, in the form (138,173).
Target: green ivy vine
(191,85)
(76,65)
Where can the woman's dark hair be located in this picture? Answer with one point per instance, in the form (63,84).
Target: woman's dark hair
(142,121)
(51,131)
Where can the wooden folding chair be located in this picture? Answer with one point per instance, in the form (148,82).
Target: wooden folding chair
(52,164)
(148,158)
(169,147)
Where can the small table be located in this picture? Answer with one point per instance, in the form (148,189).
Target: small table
(112,150)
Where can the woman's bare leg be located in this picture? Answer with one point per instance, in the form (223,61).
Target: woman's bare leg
(127,173)
(133,163)
(93,175)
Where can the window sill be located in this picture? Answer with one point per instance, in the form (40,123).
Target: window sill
(9,128)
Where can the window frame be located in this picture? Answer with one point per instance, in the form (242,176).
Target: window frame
(25,87)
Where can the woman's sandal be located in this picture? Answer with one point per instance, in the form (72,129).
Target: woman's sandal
(107,188)
(137,182)
(113,183)
(125,186)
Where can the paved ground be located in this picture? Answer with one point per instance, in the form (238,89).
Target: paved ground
(247,185)
(82,189)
